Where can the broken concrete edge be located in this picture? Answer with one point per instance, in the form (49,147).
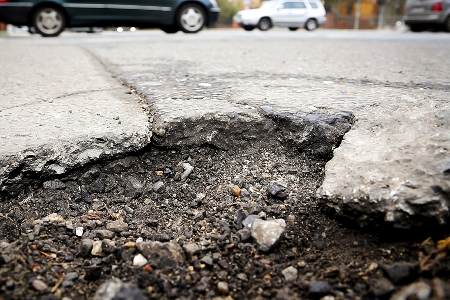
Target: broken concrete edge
(314,137)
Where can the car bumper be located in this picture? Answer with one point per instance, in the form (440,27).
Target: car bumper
(15,13)
(244,22)
(213,15)
(422,19)
(321,20)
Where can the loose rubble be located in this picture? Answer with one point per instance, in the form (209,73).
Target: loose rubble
(199,238)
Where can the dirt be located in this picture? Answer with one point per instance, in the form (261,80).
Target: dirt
(334,259)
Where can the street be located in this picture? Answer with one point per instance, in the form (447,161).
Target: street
(351,123)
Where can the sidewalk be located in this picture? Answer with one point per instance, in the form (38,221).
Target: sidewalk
(59,108)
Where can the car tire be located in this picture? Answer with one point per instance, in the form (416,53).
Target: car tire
(264,24)
(293,28)
(311,25)
(248,28)
(191,18)
(170,29)
(49,21)
(447,24)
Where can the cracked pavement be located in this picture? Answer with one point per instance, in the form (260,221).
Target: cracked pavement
(391,166)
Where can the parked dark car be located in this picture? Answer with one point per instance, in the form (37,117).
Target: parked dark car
(423,14)
(51,17)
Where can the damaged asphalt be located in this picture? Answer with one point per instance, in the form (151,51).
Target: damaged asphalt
(99,133)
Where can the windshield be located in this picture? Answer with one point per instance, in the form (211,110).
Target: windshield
(269,4)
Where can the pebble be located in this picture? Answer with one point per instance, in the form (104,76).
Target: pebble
(86,247)
(159,187)
(105,234)
(247,223)
(96,248)
(234,190)
(116,289)
(139,260)
(239,181)
(191,249)
(39,285)
(79,231)
(130,245)
(207,260)
(318,288)
(187,171)
(267,233)
(382,288)
(244,234)
(290,273)
(401,272)
(4,259)
(222,287)
(117,226)
(277,191)
(417,290)
(242,276)
(168,254)
(71,276)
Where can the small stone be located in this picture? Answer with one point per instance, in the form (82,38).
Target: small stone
(159,187)
(115,289)
(117,226)
(139,260)
(188,169)
(39,285)
(69,225)
(54,185)
(71,276)
(382,288)
(247,223)
(301,264)
(79,231)
(290,273)
(108,246)
(161,255)
(86,247)
(417,290)
(68,257)
(191,249)
(244,234)
(207,260)
(239,181)
(4,259)
(105,234)
(318,288)
(234,190)
(401,272)
(267,233)
(222,287)
(130,245)
(242,276)
(277,191)
(96,248)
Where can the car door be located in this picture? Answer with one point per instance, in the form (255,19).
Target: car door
(146,11)
(86,11)
(290,13)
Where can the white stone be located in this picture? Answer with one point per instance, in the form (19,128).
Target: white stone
(79,231)
(139,260)
(97,248)
(267,233)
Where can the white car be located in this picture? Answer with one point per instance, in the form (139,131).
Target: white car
(283,13)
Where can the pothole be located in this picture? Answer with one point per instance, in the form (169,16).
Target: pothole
(173,221)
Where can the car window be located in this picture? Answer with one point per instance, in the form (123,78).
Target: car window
(291,5)
(269,4)
(313,5)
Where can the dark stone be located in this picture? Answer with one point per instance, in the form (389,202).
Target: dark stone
(4,259)
(244,234)
(207,260)
(382,288)
(68,257)
(318,288)
(71,276)
(239,217)
(86,247)
(239,181)
(93,273)
(401,273)
(277,191)
(247,223)
(162,255)
(159,187)
(67,284)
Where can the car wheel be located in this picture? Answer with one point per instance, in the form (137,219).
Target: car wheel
(248,28)
(311,25)
(293,28)
(264,24)
(447,24)
(49,21)
(191,18)
(170,28)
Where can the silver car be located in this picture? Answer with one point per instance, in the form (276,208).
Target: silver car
(285,13)
(421,14)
